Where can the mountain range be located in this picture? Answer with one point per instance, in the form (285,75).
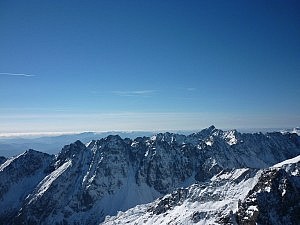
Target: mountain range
(51,144)
(208,177)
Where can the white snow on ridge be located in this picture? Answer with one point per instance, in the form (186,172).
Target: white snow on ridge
(9,161)
(6,163)
(230,137)
(209,201)
(48,180)
(88,143)
(232,175)
(289,161)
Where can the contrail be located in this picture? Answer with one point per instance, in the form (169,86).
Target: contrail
(134,93)
(18,74)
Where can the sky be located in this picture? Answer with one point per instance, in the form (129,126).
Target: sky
(72,66)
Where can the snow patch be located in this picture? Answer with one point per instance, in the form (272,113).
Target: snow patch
(231,175)
(153,138)
(9,161)
(268,189)
(209,143)
(289,161)
(47,181)
(88,143)
(230,137)
(205,200)
(251,209)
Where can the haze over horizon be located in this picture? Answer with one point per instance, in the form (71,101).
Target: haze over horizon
(72,66)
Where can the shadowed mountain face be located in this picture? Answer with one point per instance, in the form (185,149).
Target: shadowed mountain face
(84,184)
(2,159)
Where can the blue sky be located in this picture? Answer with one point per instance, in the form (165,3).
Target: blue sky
(148,65)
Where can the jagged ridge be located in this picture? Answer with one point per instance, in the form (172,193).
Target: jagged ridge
(83,184)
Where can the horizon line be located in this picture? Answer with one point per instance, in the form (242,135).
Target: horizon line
(59,133)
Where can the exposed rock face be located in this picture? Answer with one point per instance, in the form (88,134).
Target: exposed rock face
(83,184)
(18,177)
(274,200)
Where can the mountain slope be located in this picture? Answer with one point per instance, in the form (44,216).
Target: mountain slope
(84,184)
(239,196)
(18,176)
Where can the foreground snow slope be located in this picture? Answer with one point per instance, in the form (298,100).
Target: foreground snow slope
(239,196)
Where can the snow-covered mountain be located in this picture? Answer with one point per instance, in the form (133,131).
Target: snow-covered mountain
(207,173)
(237,196)
(18,177)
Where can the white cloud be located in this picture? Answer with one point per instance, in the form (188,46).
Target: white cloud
(18,74)
(141,93)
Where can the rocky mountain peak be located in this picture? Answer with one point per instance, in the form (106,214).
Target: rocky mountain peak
(205,132)
(83,185)
(211,128)
(69,151)
(274,200)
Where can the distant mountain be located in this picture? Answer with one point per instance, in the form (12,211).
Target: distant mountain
(208,177)
(52,144)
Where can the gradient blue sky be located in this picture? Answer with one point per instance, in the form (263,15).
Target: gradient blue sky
(148,65)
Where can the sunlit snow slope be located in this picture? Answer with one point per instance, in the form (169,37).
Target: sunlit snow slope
(238,196)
